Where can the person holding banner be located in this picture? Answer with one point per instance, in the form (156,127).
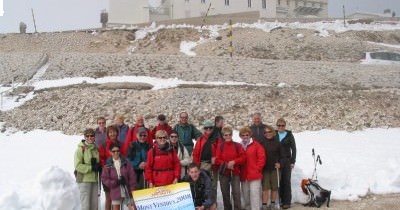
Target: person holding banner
(163,166)
(201,186)
(120,178)
(230,158)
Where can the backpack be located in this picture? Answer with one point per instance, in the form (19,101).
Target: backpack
(318,195)
(78,175)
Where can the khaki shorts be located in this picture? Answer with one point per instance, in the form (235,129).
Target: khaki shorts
(269,181)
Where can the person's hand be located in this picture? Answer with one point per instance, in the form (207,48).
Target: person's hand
(231,164)
(277,165)
(175,181)
(96,167)
(292,166)
(213,160)
(121,181)
(142,165)
(151,185)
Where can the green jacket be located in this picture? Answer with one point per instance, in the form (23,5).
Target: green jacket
(192,132)
(82,161)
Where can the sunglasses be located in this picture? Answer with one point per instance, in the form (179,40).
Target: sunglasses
(142,135)
(90,135)
(281,125)
(268,132)
(173,136)
(228,134)
(114,151)
(244,135)
(208,128)
(162,137)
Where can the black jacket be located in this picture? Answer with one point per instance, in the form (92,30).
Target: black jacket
(202,191)
(289,146)
(258,132)
(275,153)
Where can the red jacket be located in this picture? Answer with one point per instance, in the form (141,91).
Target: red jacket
(255,161)
(162,168)
(104,153)
(226,152)
(165,127)
(198,149)
(131,136)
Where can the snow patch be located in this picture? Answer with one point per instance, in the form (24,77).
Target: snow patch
(187,46)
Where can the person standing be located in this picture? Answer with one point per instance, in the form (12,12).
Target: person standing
(275,152)
(257,128)
(137,156)
(204,197)
(216,138)
(251,172)
(187,132)
(230,158)
(218,125)
(100,132)
(120,178)
(88,167)
(132,132)
(162,125)
(163,166)
(122,128)
(112,138)
(288,143)
(202,152)
(181,151)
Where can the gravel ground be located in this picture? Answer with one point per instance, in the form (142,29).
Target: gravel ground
(325,87)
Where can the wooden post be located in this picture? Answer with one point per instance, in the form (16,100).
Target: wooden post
(230,38)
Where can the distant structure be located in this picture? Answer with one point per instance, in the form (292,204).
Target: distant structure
(103,18)
(142,11)
(22,28)
(364,15)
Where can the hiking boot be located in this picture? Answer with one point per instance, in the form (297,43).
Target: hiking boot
(276,207)
(285,206)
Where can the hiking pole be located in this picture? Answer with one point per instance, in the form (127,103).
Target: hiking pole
(130,200)
(98,192)
(277,193)
(145,184)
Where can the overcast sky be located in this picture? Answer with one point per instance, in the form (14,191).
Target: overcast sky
(56,15)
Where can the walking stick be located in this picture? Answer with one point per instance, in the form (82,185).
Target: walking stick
(145,184)
(130,201)
(277,193)
(98,192)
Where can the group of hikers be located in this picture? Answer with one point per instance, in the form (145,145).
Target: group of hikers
(125,159)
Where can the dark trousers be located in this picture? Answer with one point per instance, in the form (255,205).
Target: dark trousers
(285,188)
(225,183)
(140,180)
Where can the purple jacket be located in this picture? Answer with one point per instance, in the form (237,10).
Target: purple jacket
(109,177)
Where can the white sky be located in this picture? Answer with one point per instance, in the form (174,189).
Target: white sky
(55,15)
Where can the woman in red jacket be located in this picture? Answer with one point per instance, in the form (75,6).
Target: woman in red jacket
(162,166)
(251,174)
(230,157)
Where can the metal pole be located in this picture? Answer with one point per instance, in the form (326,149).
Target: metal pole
(34,22)
(344,17)
(230,38)
(204,19)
